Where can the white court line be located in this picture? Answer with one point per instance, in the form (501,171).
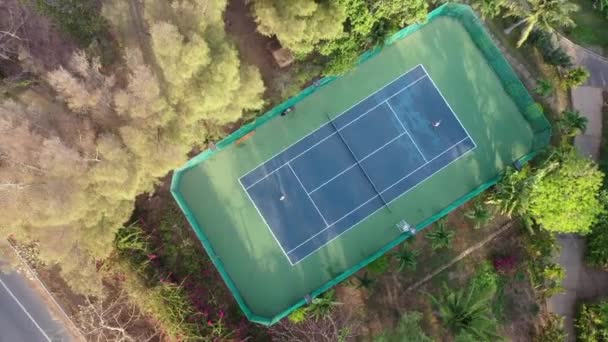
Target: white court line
(336,131)
(344,112)
(307,194)
(389,187)
(355,164)
(380,208)
(448,104)
(405,129)
(266,223)
(25,311)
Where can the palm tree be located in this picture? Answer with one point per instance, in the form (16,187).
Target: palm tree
(467,312)
(365,281)
(323,305)
(540,14)
(406,258)
(572,123)
(441,236)
(544,88)
(479,215)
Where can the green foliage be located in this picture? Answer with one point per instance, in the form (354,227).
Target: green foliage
(592,322)
(441,236)
(299,315)
(551,51)
(79,18)
(131,238)
(380,265)
(479,214)
(567,200)
(368,23)
(489,8)
(486,277)
(574,77)
(467,312)
(407,330)
(300,24)
(511,194)
(365,281)
(323,305)
(545,275)
(544,88)
(544,15)
(406,258)
(552,330)
(553,275)
(571,123)
(167,303)
(596,251)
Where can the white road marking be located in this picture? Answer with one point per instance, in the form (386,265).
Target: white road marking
(25,311)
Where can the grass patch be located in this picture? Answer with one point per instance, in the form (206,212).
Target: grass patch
(591,26)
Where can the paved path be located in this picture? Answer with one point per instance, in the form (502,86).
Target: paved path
(596,64)
(581,282)
(588,101)
(23,314)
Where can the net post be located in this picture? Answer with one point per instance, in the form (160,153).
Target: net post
(333,124)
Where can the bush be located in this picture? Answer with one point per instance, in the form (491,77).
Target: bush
(568,199)
(574,77)
(379,266)
(79,18)
(596,253)
(441,236)
(592,322)
(552,54)
(552,330)
(408,329)
(299,315)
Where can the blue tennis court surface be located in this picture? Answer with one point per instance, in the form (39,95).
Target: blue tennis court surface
(352,166)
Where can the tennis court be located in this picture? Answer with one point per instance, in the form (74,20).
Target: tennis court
(356,164)
(288,206)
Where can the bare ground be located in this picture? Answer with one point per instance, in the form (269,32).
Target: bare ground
(242,28)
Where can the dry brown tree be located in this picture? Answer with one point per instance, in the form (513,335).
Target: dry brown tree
(114,319)
(340,325)
(11,23)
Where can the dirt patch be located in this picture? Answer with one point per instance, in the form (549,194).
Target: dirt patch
(241,27)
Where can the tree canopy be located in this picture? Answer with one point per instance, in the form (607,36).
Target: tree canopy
(568,200)
(340,30)
(300,24)
(72,166)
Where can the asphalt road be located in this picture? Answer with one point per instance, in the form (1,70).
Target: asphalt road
(24,317)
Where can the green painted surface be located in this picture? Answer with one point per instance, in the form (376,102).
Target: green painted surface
(249,258)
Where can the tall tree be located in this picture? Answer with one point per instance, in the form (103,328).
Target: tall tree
(71,166)
(572,123)
(300,24)
(541,14)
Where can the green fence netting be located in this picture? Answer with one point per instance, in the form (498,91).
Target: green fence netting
(509,80)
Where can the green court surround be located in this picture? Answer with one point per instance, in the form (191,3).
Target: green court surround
(476,81)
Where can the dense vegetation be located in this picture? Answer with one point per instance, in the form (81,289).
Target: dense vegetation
(339,30)
(72,179)
(592,322)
